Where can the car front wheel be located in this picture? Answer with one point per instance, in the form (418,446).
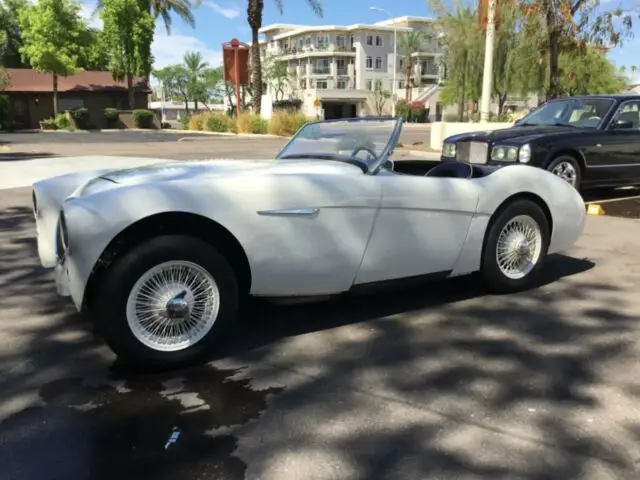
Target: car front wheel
(166,302)
(515,247)
(568,169)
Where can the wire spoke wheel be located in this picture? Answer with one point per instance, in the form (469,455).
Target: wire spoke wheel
(519,247)
(173,306)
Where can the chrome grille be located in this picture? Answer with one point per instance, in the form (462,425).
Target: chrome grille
(472,152)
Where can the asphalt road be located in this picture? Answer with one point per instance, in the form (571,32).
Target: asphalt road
(438,382)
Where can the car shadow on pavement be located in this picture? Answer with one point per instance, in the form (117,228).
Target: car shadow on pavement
(447,378)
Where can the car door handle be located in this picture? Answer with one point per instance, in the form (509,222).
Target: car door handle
(291,212)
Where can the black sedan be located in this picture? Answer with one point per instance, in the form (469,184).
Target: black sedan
(590,141)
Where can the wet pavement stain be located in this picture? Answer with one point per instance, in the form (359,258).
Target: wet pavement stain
(132,426)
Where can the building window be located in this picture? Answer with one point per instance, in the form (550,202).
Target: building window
(401,63)
(321,84)
(322,66)
(70,104)
(401,84)
(307,41)
(322,41)
(369,84)
(342,84)
(340,42)
(369,39)
(378,63)
(352,40)
(378,40)
(303,83)
(369,64)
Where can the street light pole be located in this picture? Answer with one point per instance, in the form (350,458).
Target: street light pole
(395,59)
(487,74)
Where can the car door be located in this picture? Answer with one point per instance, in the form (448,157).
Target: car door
(420,229)
(622,164)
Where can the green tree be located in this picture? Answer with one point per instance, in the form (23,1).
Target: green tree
(94,56)
(174,80)
(568,26)
(164,8)
(195,67)
(276,74)
(255,10)
(52,34)
(380,97)
(589,73)
(408,44)
(10,27)
(127,37)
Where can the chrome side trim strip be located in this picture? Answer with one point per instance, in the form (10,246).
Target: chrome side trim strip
(291,212)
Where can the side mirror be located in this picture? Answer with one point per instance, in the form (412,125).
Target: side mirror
(622,125)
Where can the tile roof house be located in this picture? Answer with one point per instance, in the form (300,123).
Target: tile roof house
(31,95)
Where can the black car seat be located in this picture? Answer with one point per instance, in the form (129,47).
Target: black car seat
(451,169)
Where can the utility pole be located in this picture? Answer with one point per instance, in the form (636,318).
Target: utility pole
(487,74)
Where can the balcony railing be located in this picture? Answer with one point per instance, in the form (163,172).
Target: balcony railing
(429,70)
(343,71)
(321,70)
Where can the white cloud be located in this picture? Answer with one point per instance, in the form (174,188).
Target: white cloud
(228,12)
(170,49)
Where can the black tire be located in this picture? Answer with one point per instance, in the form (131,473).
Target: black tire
(574,163)
(494,278)
(111,296)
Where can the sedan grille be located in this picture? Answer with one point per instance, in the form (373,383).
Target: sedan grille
(472,152)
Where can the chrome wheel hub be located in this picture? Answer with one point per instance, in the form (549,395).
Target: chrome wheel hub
(519,246)
(173,306)
(566,171)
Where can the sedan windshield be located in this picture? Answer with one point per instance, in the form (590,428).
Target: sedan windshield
(570,112)
(363,140)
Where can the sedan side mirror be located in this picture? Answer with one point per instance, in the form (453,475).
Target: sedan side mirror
(622,125)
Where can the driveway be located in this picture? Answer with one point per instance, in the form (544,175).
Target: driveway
(439,382)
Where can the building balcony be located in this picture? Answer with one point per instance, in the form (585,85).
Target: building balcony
(429,70)
(321,71)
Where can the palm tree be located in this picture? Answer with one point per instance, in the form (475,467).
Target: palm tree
(408,44)
(255,9)
(195,66)
(163,9)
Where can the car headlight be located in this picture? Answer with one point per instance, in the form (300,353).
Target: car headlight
(524,155)
(504,154)
(449,150)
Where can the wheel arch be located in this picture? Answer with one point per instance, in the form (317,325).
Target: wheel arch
(167,223)
(568,152)
(530,196)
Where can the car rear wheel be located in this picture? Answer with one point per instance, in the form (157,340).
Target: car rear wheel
(568,169)
(515,247)
(166,302)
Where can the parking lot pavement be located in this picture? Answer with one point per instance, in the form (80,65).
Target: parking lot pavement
(438,382)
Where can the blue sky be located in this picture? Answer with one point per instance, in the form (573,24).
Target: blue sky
(218,21)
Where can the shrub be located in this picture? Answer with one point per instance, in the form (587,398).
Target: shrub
(219,122)
(165,125)
(48,124)
(143,118)
(80,118)
(112,116)
(403,109)
(62,122)
(184,121)
(286,123)
(251,123)
(196,122)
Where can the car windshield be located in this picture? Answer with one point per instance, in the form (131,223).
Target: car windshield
(363,140)
(572,112)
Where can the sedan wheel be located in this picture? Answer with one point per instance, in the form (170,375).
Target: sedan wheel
(167,302)
(567,169)
(515,246)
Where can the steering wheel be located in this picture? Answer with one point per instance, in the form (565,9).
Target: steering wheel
(361,148)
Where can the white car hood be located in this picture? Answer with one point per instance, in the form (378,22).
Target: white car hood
(200,169)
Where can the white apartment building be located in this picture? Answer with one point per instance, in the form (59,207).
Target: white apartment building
(340,65)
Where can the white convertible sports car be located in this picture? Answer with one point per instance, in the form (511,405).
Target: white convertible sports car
(160,256)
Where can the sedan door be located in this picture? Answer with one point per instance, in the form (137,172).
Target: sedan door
(622,164)
(420,228)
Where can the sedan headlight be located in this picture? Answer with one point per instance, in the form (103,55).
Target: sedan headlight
(449,150)
(524,155)
(503,153)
